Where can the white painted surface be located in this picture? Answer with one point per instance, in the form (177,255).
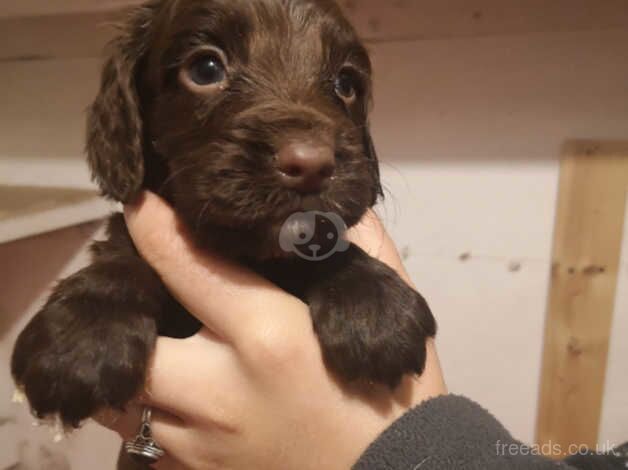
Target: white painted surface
(469,131)
(42,118)
(490,319)
(615,417)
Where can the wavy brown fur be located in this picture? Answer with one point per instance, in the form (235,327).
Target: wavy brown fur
(212,157)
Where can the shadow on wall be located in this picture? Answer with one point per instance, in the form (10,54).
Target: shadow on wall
(26,272)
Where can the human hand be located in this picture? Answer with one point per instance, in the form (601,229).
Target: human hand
(250,390)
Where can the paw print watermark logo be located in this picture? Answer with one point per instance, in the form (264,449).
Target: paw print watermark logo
(313,235)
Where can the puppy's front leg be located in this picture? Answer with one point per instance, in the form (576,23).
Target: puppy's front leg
(371,325)
(89,346)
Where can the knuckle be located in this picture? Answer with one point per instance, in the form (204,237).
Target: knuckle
(273,346)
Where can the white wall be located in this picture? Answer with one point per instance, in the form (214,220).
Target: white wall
(469,132)
(42,121)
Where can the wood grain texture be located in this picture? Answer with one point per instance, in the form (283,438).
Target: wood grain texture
(586,258)
(378,20)
(57,29)
(68,36)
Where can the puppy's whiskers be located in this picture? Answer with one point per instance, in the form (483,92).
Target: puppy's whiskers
(176,173)
(201,215)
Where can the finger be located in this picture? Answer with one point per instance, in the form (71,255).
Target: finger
(168,431)
(174,437)
(126,461)
(171,372)
(128,423)
(169,463)
(218,292)
(372,237)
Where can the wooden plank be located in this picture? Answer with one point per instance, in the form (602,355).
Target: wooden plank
(378,20)
(416,18)
(76,35)
(75,28)
(28,211)
(586,260)
(22,8)
(22,201)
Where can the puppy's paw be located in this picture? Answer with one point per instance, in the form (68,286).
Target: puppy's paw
(371,325)
(79,355)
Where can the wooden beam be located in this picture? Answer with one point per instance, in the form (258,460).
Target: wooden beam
(71,36)
(378,20)
(586,260)
(56,29)
(28,211)
(24,8)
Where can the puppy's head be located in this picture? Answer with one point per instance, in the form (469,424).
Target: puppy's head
(240,113)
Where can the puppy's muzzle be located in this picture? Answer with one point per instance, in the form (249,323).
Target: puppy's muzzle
(305,166)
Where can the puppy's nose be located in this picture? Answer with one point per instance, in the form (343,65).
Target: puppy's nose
(305,167)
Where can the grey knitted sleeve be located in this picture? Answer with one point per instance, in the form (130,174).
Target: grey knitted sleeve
(451,433)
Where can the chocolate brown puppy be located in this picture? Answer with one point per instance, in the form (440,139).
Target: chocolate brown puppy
(241,114)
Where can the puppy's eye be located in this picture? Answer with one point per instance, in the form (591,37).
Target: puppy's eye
(205,71)
(347,85)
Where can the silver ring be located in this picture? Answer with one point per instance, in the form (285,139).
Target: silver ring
(144,448)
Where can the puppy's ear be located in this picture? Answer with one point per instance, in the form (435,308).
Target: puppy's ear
(114,122)
(372,157)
